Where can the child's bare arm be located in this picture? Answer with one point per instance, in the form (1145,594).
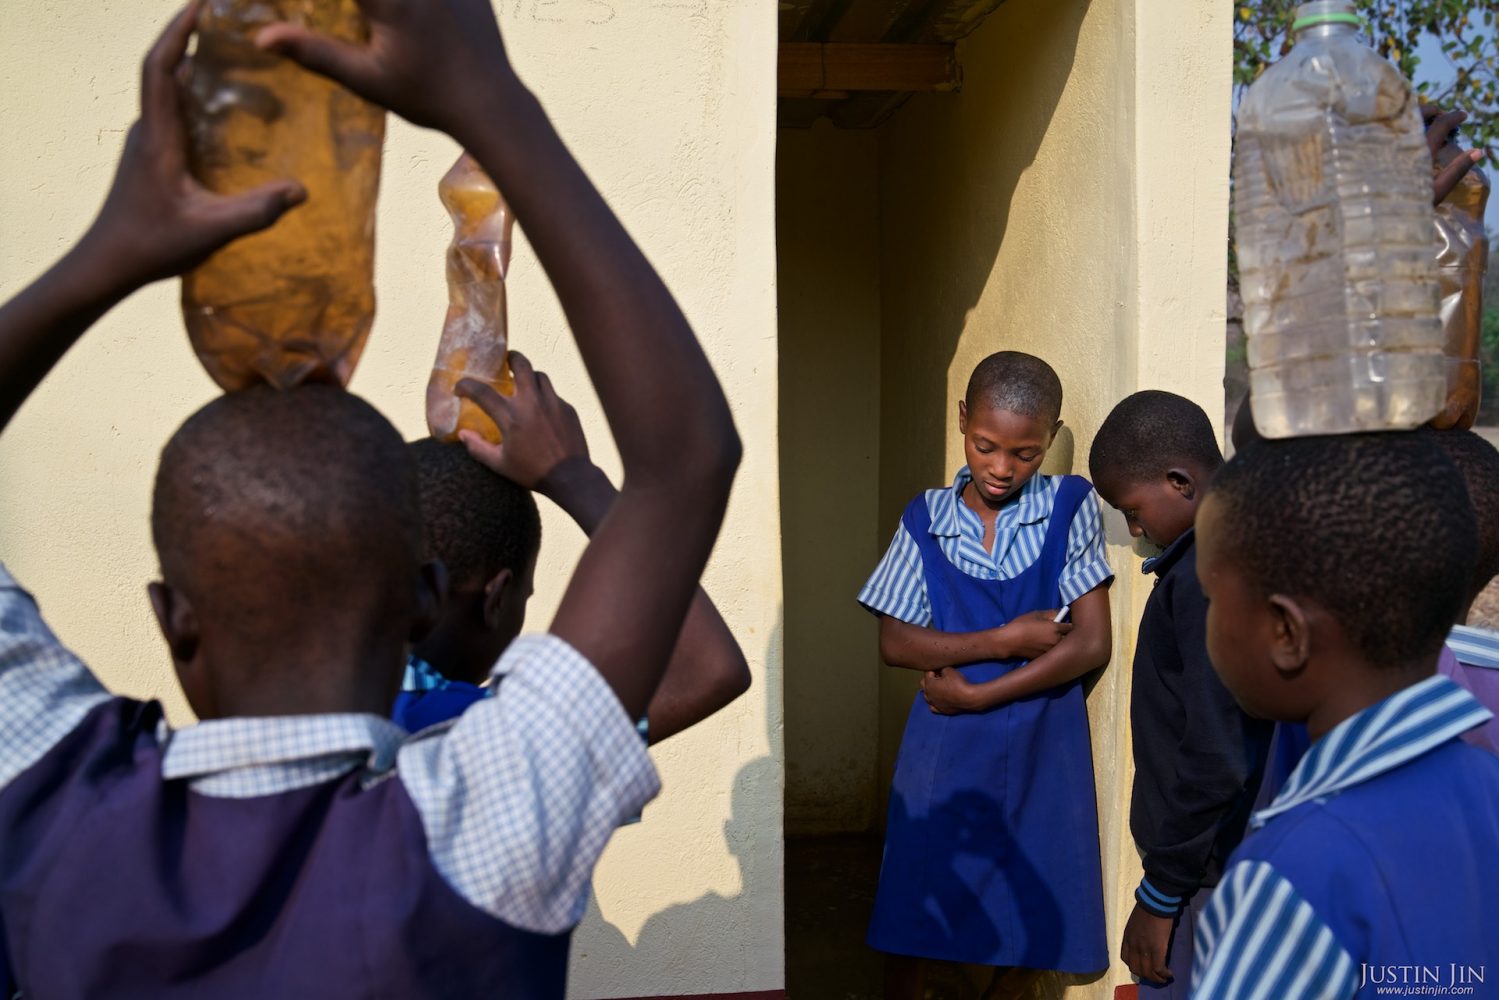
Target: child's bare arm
(441,63)
(156,222)
(916,647)
(545,450)
(1086,648)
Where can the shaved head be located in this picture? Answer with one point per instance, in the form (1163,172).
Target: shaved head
(1016,383)
(281,513)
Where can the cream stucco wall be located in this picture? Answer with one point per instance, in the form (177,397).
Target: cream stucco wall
(670,106)
(1070,201)
(828,253)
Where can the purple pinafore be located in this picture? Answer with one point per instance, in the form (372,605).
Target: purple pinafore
(117,883)
(991,846)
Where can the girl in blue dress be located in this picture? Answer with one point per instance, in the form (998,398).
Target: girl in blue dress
(991,844)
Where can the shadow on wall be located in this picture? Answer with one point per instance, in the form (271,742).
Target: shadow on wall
(670,951)
(949,168)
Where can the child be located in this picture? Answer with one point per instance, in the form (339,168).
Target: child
(1471,655)
(991,846)
(295,842)
(482,524)
(1198,757)
(1334,567)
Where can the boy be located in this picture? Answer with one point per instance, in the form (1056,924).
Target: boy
(1375,864)
(295,842)
(481,523)
(1198,757)
(1471,655)
(991,846)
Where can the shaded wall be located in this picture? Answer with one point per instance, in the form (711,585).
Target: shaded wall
(828,270)
(670,106)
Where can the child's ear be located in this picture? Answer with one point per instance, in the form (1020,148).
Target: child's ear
(1291,645)
(431,595)
(962,416)
(1054,429)
(177,621)
(1183,482)
(497,594)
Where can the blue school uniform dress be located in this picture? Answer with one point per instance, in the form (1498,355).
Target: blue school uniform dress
(1373,872)
(301,856)
(991,845)
(1470,659)
(427,698)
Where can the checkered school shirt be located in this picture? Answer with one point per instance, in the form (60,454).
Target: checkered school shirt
(1259,938)
(517,797)
(898,587)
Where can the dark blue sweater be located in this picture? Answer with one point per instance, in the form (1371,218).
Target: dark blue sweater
(1198,757)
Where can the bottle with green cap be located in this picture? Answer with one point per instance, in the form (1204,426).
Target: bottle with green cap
(1332,204)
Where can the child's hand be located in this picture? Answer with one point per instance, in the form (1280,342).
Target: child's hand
(433,62)
(1147,938)
(1439,127)
(1030,635)
(157,220)
(541,430)
(947,691)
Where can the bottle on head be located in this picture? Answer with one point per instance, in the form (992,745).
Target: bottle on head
(1332,201)
(474,340)
(293,303)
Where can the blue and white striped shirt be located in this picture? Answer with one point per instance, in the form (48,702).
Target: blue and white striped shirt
(897,587)
(1262,938)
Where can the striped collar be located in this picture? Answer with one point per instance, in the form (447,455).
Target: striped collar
(1032,505)
(422,676)
(1474,647)
(1404,726)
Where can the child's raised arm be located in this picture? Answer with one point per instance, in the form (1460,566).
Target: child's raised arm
(441,63)
(544,450)
(156,222)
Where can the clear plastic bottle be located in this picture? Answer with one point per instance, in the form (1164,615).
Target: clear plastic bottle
(294,302)
(1462,258)
(474,342)
(1332,201)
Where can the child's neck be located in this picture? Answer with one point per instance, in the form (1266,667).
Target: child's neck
(1361,687)
(988,513)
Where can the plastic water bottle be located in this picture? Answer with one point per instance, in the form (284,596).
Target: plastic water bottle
(474,340)
(295,302)
(1462,259)
(1332,201)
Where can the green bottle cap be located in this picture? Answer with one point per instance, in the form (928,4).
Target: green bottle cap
(1330,17)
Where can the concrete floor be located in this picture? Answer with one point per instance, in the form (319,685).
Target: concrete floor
(830,884)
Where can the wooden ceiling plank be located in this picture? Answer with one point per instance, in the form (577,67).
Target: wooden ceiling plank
(806,67)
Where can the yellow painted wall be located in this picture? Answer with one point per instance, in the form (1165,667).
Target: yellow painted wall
(1071,202)
(828,254)
(670,106)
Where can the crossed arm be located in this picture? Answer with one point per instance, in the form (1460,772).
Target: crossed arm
(1087,647)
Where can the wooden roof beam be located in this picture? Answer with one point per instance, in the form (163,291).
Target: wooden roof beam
(837,69)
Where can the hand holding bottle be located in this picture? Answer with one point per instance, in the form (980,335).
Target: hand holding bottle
(157,221)
(541,430)
(433,62)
